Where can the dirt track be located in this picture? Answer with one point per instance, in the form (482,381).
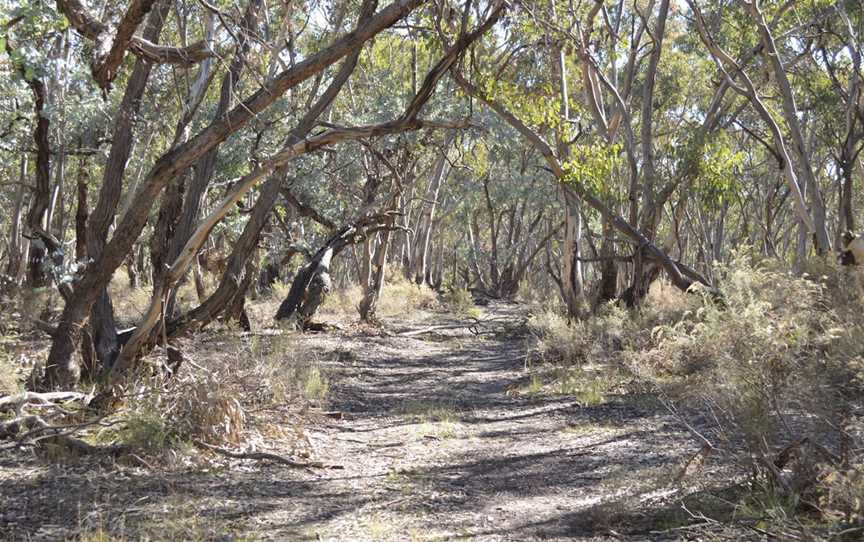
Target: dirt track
(436,440)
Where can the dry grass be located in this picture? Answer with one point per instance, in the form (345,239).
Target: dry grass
(433,419)
(398,299)
(130,304)
(164,417)
(175,518)
(575,343)
(460,301)
(216,394)
(774,351)
(9,381)
(779,360)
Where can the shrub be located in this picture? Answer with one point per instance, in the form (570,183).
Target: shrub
(206,410)
(771,376)
(597,339)
(762,357)
(460,301)
(146,428)
(773,368)
(401,297)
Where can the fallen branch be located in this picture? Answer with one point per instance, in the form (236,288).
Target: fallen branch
(440,327)
(17,402)
(35,424)
(266,456)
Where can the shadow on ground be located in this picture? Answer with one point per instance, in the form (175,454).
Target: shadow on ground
(433,446)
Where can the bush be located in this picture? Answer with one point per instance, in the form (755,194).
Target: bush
(401,297)
(770,376)
(206,410)
(460,301)
(773,369)
(597,339)
(770,353)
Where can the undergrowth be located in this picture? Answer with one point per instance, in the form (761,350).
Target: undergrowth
(215,397)
(9,382)
(460,301)
(399,298)
(769,379)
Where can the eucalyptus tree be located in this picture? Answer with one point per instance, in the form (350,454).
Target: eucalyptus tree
(614,139)
(61,369)
(838,95)
(581,176)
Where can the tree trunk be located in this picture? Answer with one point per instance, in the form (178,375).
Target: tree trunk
(571,265)
(18,244)
(608,268)
(184,204)
(36,275)
(103,327)
(309,289)
(375,284)
(82,211)
(437,175)
(132,271)
(790,114)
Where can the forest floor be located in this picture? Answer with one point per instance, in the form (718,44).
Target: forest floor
(438,433)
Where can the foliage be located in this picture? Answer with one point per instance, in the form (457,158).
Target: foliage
(781,356)
(719,168)
(592,167)
(459,301)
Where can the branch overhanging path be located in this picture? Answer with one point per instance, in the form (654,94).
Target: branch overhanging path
(407,121)
(174,162)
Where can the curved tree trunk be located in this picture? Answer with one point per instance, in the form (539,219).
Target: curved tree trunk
(178,159)
(103,327)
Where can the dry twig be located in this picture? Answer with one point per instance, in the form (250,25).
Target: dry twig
(266,456)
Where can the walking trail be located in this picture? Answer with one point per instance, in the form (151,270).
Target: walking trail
(437,440)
